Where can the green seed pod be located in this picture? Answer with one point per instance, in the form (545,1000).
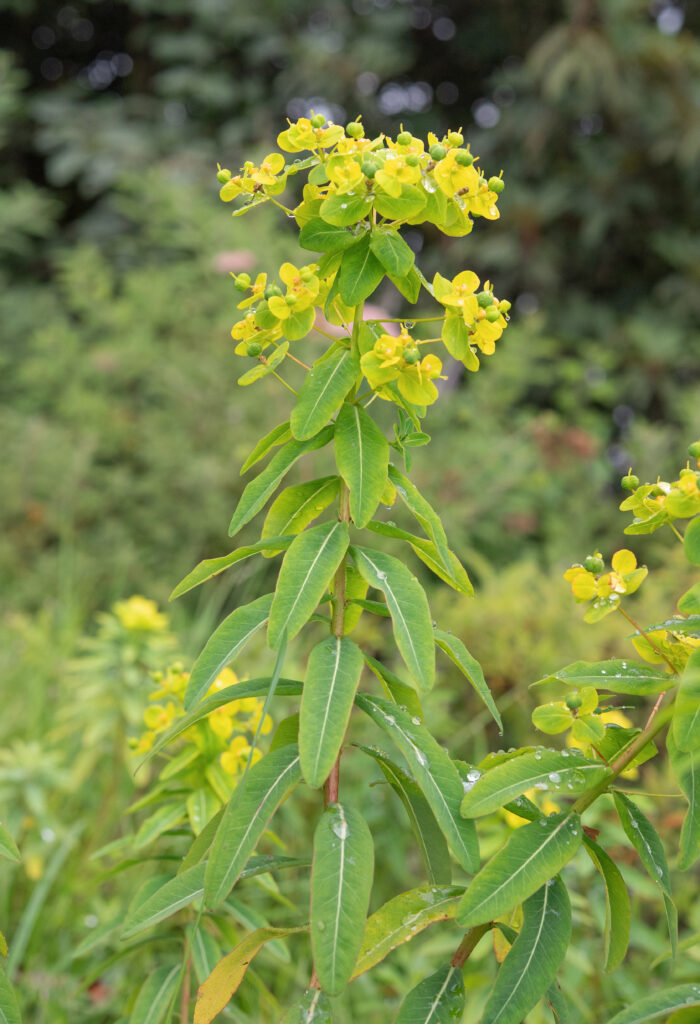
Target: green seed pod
(254,349)
(504,305)
(223,175)
(271,290)
(404,138)
(242,282)
(455,138)
(573,701)
(369,168)
(694,449)
(438,152)
(412,160)
(411,356)
(463,158)
(318,121)
(594,563)
(306,273)
(484,299)
(291,300)
(630,482)
(355,130)
(497,185)
(492,314)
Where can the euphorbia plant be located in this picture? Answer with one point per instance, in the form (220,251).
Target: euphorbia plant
(360,193)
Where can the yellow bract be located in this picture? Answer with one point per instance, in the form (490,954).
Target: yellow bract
(453,177)
(140,613)
(386,363)
(300,136)
(395,173)
(345,173)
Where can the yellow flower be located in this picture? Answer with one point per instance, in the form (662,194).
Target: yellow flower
(605,589)
(302,289)
(345,173)
(483,203)
(227,677)
(396,172)
(140,613)
(300,136)
(257,290)
(220,721)
(453,177)
(459,294)
(269,169)
(396,359)
(158,717)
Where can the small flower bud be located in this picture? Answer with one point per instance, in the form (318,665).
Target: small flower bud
(504,305)
(484,299)
(291,300)
(455,138)
(318,121)
(369,168)
(355,130)
(438,152)
(630,482)
(404,138)
(271,290)
(411,356)
(594,563)
(242,282)
(412,160)
(463,158)
(223,175)
(306,273)
(694,449)
(496,185)
(254,349)
(573,701)
(492,314)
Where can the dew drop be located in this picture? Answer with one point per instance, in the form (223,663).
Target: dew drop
(429,185)
(541,785)
(381,575)
(343,206)
(538,755)
(340,828)
(554,777)
(416,720)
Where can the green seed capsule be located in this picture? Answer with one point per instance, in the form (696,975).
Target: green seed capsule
(254,349)
(291,300)
(369,168)
(412,160)
(455,138)
(306,273)
(318,121)
(463,158)
(497,185)
(492,315)
(630,482)
(355,130)
(594,563)
(404,138)
(484,299)
(438,152)
(271,290)
(411,356)
(223,175)
(242,282)
(694,449)
(504,305)
(573,701)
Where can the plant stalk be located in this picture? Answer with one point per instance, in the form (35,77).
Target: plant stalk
(469,943)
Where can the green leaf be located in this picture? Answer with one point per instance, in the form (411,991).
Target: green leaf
(278,435)
(688,625)
(428,554)
(424,513)
(210,567)
(225,643)
(332,675)
(691,541)
(401,694)
(686,768)
(533,854)
(433,771)
(341,211)
(659,1004)
(216,991)
(644,838)
(306,572)
(341,881)
(313,1008)
(323,391)
(259,490)
(534,958)
(319,235)
(205,951)
(179,892)
(299,324)
(9,1007)
(297,506)
(426,830)
(360,273)
(408,204)
(166,817)
(404,916)
(409,609)
(618,913)
(685,724)
(394,254)
(559,771)
(8,848)
(408,285)
(616,675)
(470,667)
(438,999)
(245,818)
(154,997)
(262,369)
(689,603)
(362,457)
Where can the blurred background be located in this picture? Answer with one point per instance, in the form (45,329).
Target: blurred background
(123,429)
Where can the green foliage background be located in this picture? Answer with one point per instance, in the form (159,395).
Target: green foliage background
(122,425)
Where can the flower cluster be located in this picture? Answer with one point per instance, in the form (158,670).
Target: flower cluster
(472,318)
(589,582)
(398,359)
(658,504)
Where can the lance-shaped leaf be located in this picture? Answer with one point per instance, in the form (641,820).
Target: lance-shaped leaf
(534,958)
(428,554)
(616,675)
(266,483)
(323,390)
(659,1004)
(395,255)
(9,1007)
(645,839)
(341,881)
(332,675)
(685,724)
(691,541)
(410,614)
(533,854)
(401,694)
(561,771)
(222,983)
(434,772)
(154,997)
(213,566)
(225,643)
(618,913)
(362,457)
(177,893)
(205,951)
(686,767)
(306,572)
(314,1007)
(426,830)
(689,603)
(424,513)
(8,847)
(297,506)
(438,999)
(360,273)
(245,818)
(403,917)
(470,667)
(278,435)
